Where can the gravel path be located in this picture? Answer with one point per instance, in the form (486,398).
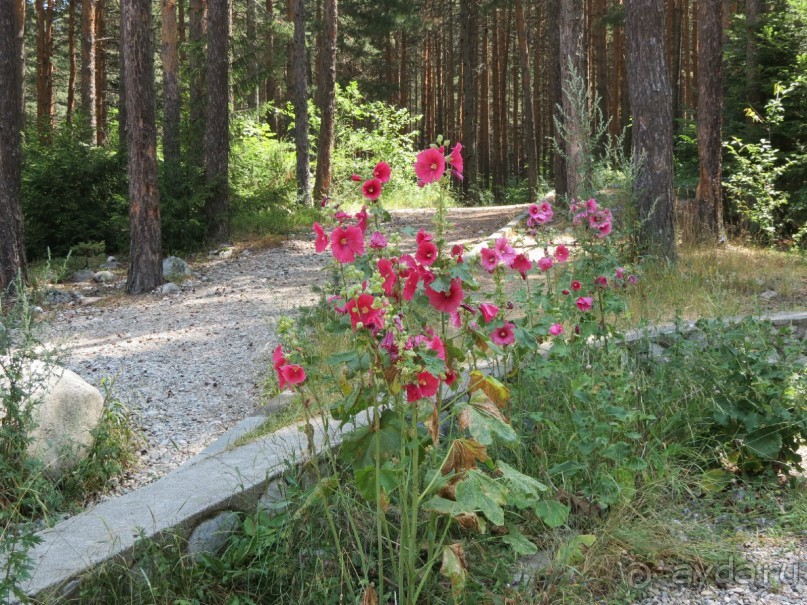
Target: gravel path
(191,365)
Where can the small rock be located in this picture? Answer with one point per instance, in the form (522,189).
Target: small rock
(174,267)
(211,536)
(57,297)
(84,275)
(104,277)
(170,288)
(110,259)
(226,253)
(769,294)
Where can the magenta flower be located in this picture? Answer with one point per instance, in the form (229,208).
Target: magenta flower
(426,386)
(603,229)
(382,172)
(321,243)
(505,250)
(346,243)
(457,251)
(279,361)
(361,219)
(576,285)
(585,303)
(372,189)
(489,312)
(355,178)
(591,205)
(378,241)
(561,253)
(489,259)
(293,374)
(426,253)
(385,268)
(541,213)
(601,282)
(545,263)
(522,264)
(504,335)
(633,280)
(430,164)
(423,236)
(556,329)
(455,159)
(448,301)
(620,273)
(456,320)
(361,310)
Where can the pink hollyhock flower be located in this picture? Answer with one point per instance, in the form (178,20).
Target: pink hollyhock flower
(448,301)
(591,205)
(436,345)
(324,202)
(321,243)
(426,386)
(426,253)
(601,282)
(388,344)
(341,216)
(585,303)
(603,229)
(382,172)
(346,243)
(378,241)
(430,164)
(620,273)
(455,159)
(541,213)
(456,320)
(504,335)
(561,253)
(556,329)
(457,251)
(576,285)
(633,280)
(279,361)
(451,377)
(505,250)
(423,236)
(522,264)
(355,177)
(293,374)
(489,259)
(372,189)
(387,272)
(565,292)
(361,310)
(489,312)
(361,219)
(545,263)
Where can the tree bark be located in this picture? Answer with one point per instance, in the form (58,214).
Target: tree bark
(555,96)
(467,32)
(254,90)
(573,69)
(145,256)
(327,82)
(44,69)
(271,81)
(299,85)
(12,247)
(708,196)
(753,8)
(217,136)
(484,107)
(88,67)
(651,106)
(71,58)
(197,30)
(100,74)
(527,109)
(171,95)
(600,71)
(18,10)
(675,60)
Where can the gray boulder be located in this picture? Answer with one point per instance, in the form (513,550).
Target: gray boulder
(104,277)
(211,536)
(170,288)
(83,275)
(66,410)
(57,297)
(174,267)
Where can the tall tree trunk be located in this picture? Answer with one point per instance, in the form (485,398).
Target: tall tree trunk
(44,69)
(71,58)
(468,12)
(145,260)
(299,93)
(271,81)
(753,8)
(515,93)
(181,38)
(101,133)
(217,136)
(484,107)
(88,67)
(555,96)
(171,96)
(527,108)
(708,196)
(600,71)
(651,106)
(403,78)
(327,81)
(197,30)
(122,113)
(18,10)
(675,60)
(254,91)
(497,80)
(12,247)
(573,73)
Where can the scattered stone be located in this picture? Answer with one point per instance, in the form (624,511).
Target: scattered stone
(110,259)
(83,275)
(104,277)
(57,297)
(170,288)
(108,266)
(174,267)
(211,536)
(769,295)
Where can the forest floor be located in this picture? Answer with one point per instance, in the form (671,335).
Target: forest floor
(191,365)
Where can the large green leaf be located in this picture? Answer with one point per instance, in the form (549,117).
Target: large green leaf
(765,442)
(552,512)
(389,480)
(519,542)
(574,550)
(485,422)
(524,490)
(359,446)
(479,492)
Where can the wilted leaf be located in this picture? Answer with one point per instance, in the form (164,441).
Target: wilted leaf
(524,490)
(455,568)
(490,386)
(370,596)
(478,492)
(485,421)
(434,426)
(463,455)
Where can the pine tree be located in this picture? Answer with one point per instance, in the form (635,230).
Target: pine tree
(217,135)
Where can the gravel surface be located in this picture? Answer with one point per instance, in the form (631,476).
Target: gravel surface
(191,364)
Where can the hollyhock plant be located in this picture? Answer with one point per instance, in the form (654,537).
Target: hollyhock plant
(601,282)
(506,252)
(455,159)
(382,172)
(556,329)
(361,219)
(378,241)
(489,259)
(561,253)
(372,189)
(426,253)
(504,335)
(293,374)
(361,310)
(540,213)
(423,236)
(430,164)
(457,251)
(585,303)
(489,312)
(385,268)
(279,360)
(522,264)
(355,178)
(545,263)
(321,243)
(347,243)
(426,386)
(448,301)
(576,285)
